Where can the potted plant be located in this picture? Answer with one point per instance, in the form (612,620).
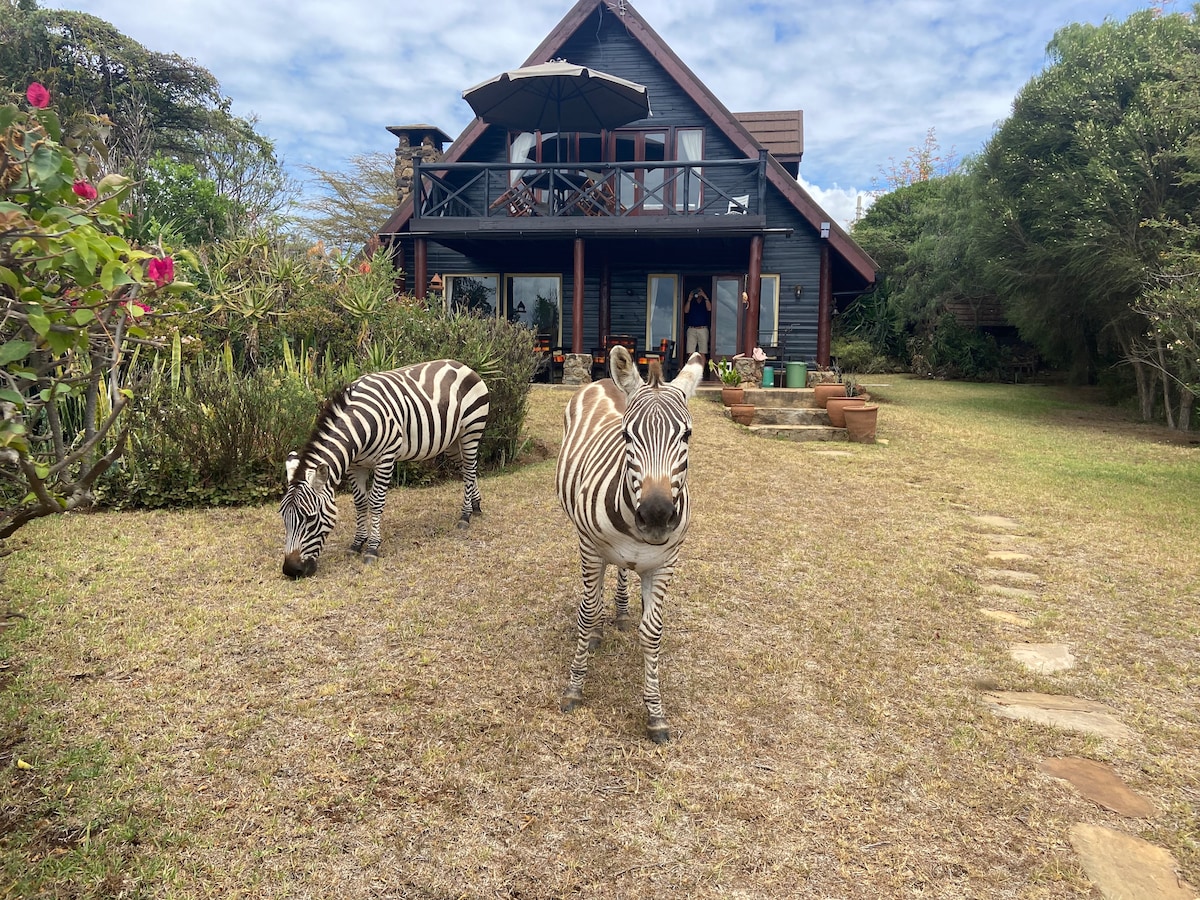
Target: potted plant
(836,406)
(823,390)
(730,380)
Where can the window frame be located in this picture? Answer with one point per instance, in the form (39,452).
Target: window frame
(557,278)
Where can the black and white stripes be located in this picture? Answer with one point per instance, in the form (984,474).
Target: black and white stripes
(417,412)
(622,479)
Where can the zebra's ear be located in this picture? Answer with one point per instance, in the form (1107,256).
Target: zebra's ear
(320,477)
(290,466)
(689,377)
(624,370)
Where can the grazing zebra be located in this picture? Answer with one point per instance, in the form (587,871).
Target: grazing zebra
(622,478)
(417,412)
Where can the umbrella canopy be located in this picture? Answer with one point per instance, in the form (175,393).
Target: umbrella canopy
(558,96)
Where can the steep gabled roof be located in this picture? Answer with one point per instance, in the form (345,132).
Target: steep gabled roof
(725,120)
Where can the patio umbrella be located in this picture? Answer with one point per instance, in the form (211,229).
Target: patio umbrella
(558,96)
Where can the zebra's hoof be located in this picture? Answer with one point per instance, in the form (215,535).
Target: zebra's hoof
(464,522)
(625,623)
(355,549)
(658,731)
(593,643)
(571,701)
(370,557)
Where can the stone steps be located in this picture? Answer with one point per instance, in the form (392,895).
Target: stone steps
(798,433)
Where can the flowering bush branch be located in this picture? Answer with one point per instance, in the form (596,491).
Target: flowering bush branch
(73,292)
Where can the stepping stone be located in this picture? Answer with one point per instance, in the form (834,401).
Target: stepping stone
(1003,590)
(1010,575)
(1007,555)
(1044,659)
(1124,866)
(1008,618)
(1069,713)
(997,522)
(1100,784)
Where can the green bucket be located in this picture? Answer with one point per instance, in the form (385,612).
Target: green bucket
(797,374)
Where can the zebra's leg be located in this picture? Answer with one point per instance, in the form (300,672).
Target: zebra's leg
(379,488)
(587,627)
(624,622)
(358,487)
(468,455)
(654,589)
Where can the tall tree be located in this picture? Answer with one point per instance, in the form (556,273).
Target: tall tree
(157,103)
(352,205)
(1094,152)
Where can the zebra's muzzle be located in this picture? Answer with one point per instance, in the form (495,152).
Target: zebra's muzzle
(295,567)
(656,517)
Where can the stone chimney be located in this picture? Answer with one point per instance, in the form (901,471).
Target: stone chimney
(422,142)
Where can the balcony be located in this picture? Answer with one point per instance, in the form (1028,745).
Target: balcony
(669,198)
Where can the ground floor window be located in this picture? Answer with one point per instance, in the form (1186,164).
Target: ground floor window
(768,311)
(535,301)
(472,294)
(661,305)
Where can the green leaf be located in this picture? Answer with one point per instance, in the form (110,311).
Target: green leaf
(15,350)
(61,341)
(83,316)
(8,115)
(45,163)
(8,395)
(39,323)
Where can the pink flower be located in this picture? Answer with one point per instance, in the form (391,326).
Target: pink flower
(161,271)
(37,95)
(84,190)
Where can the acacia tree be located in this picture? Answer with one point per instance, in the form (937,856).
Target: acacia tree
(1096,151)
(352,205)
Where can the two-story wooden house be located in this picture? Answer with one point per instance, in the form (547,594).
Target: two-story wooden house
(610,231)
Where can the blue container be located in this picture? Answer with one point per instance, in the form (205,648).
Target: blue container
(768,376)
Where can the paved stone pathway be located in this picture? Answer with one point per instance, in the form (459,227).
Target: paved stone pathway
(1121,865)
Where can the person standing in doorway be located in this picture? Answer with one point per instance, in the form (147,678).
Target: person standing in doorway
(697,317)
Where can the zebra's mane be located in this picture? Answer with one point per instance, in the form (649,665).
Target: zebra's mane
(654,374)
(330,409)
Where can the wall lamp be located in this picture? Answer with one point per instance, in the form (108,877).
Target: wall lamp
(798,289)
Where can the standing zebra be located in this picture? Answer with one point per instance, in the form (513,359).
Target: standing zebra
(622,478)
(417,412)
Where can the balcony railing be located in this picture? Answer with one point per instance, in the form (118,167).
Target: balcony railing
(672,188)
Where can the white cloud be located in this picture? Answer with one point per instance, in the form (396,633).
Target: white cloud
(872,76)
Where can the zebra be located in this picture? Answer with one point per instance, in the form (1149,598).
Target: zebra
(416,412)
(622,479)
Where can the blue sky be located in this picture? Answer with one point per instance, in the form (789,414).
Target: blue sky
(325,79)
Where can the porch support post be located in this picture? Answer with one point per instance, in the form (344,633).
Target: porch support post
(753,290)
(577,300)
(824,308)
(420,251)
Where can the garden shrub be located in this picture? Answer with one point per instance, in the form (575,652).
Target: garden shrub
(221,435)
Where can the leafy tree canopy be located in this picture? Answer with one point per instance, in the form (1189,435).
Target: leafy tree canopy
(158,104)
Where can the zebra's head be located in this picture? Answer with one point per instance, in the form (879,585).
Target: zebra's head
(309,513)
(657,427)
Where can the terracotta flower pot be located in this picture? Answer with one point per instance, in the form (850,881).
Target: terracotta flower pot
(836,407)
(742,413)
(860,423)
(822,392)
(732,395)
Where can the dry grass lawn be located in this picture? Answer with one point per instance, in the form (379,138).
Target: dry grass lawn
(194,725)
